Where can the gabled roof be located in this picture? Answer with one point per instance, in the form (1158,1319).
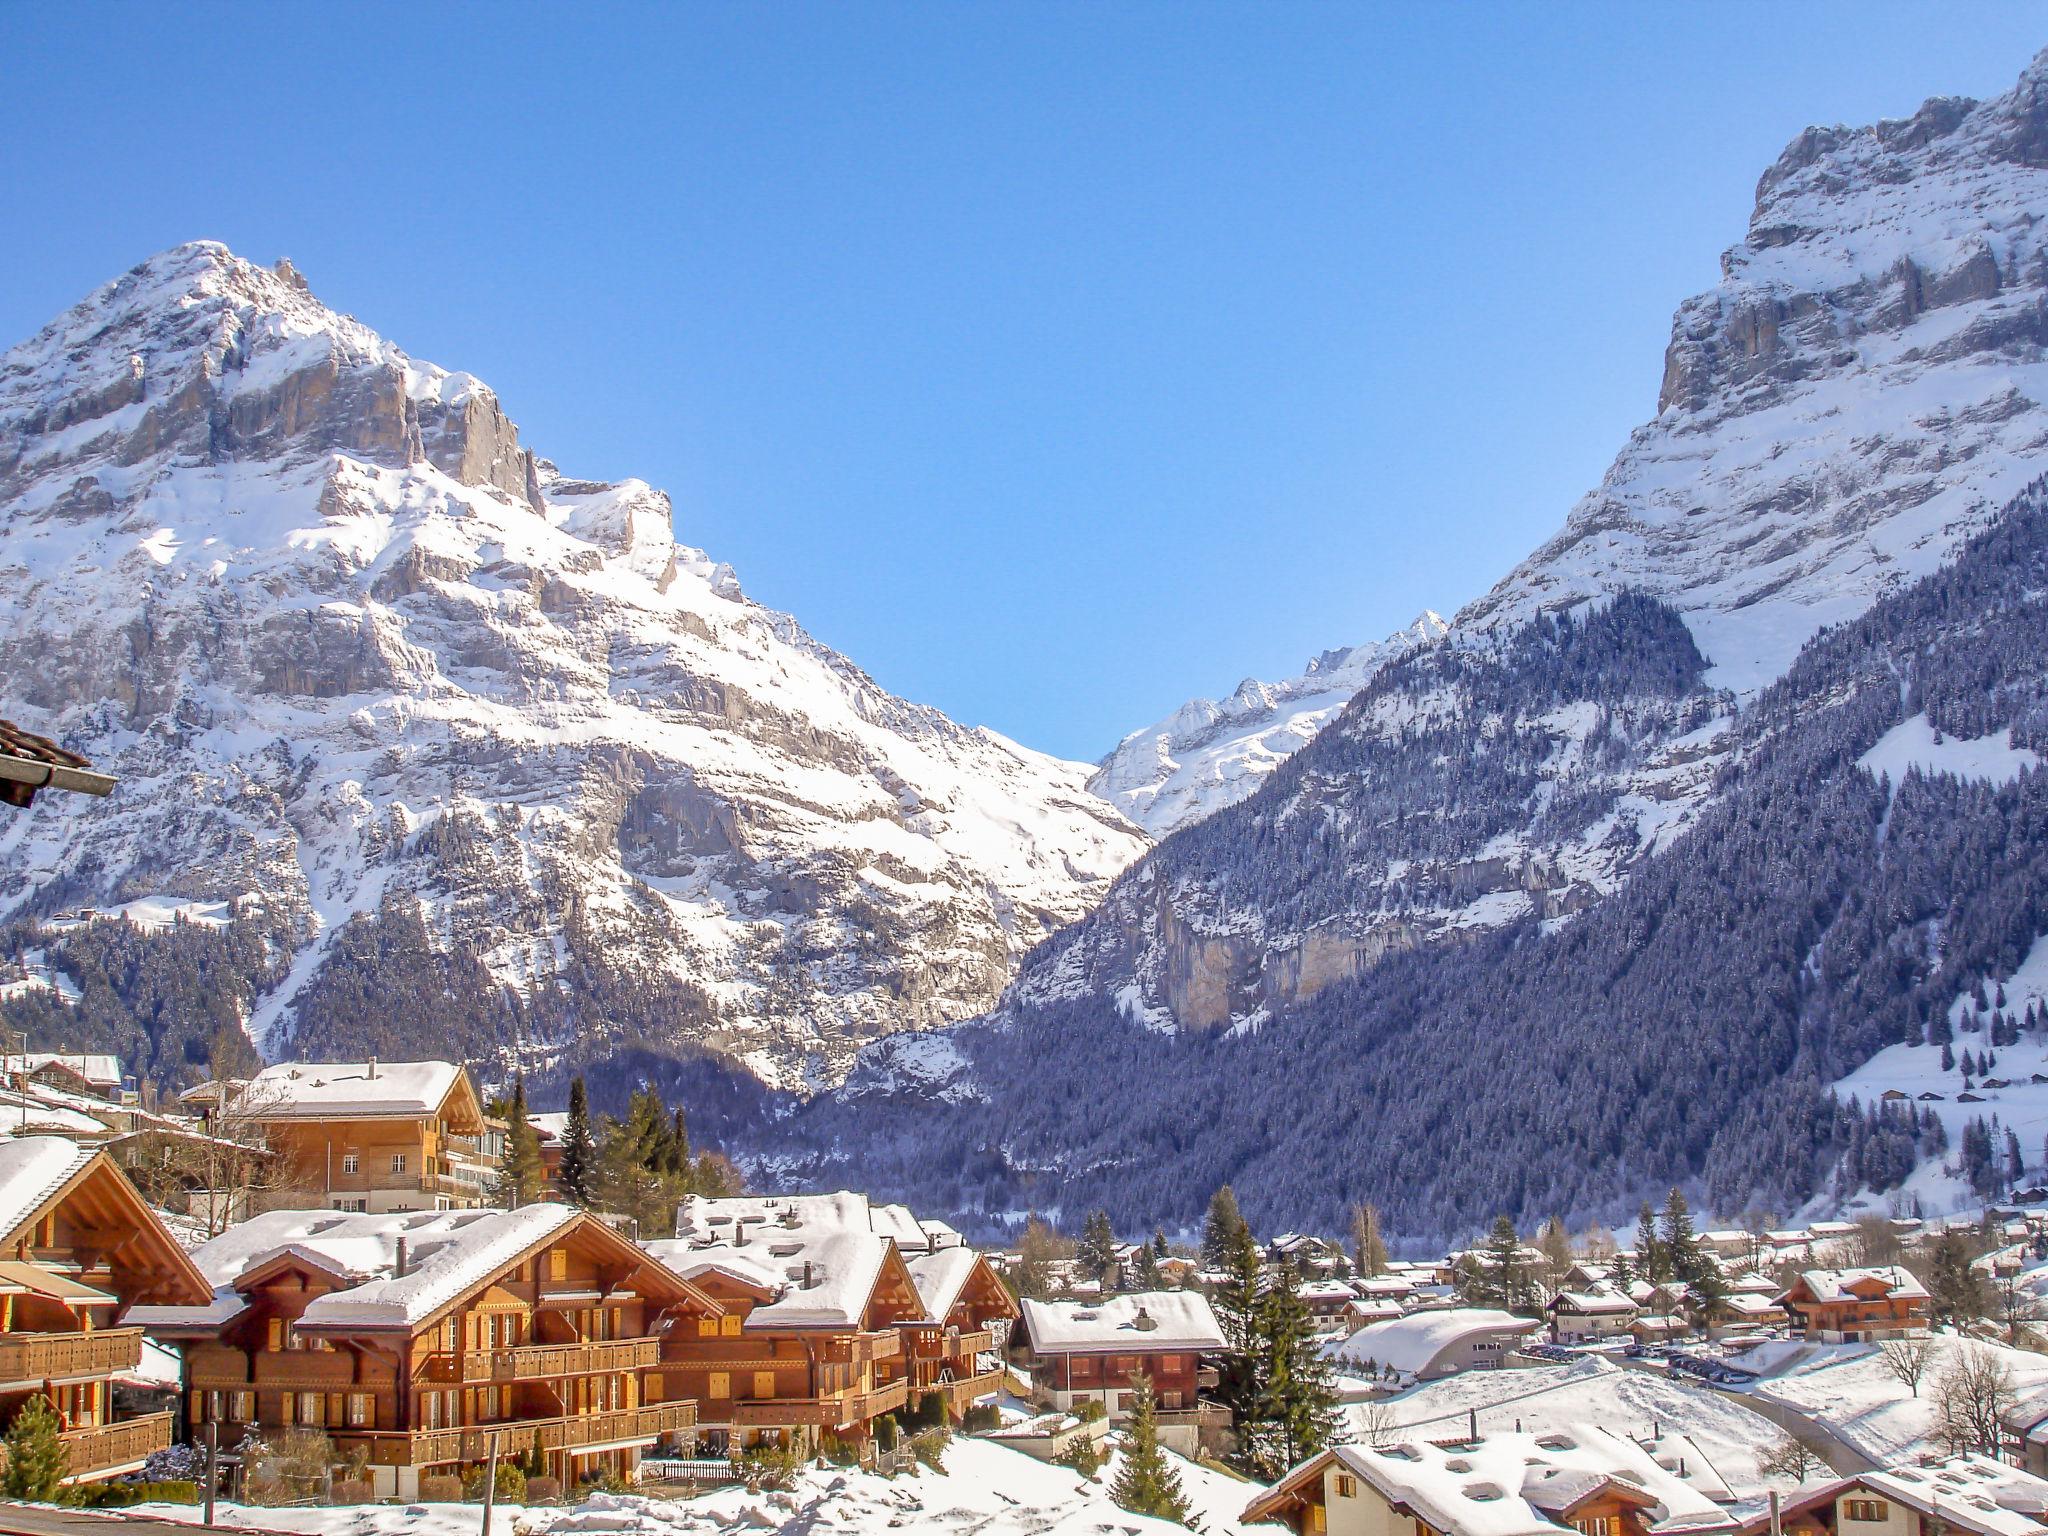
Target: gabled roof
(33,1169)
(101,1070)
(40,1173)
(1592,1302)
(824,1258)
(1972,1494)
(1179,1320)
(449,1254)
(1826,1285)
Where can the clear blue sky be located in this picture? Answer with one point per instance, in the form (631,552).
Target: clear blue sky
(1056,362)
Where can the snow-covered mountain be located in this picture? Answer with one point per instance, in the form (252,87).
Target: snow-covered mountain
(369,668)
(1860,394)
(1206,754)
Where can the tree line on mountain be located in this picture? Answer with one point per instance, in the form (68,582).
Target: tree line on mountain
(1684,1032)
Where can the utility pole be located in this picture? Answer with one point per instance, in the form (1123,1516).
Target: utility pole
(212,1465)
(490,1482)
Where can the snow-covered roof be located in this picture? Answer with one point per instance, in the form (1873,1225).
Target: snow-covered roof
(32,1169)
(940,1278)
(1750,1304)
(1409,1344)
(821,1254)
(1592,1301)
(99,1069)
(448,1254)
(1843,1284)
(1511,1484)
(324,1089)
(1177,1320)
(1974,1494)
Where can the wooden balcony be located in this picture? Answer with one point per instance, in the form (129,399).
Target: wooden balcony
(830,1412)
(943,1346)
(98,1449)
(854,1349)
(39,1357)
(537,1362)
(292,1370)
(439,1447)
(963,1392)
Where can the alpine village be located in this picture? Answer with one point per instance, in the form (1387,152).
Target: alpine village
(502,1031)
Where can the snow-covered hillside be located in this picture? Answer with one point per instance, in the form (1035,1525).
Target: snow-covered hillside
(1206,755)
(1860,394)
(351,647)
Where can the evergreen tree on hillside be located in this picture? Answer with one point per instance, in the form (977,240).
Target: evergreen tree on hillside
(1144,1274)
(1146,1482)
(1235,1299)
(1220,1230)
(1368,1249)
(1502,1279)
(579,1149)
(1956,1291)
(1159,1242)
(1096,1255)
(1692,1264)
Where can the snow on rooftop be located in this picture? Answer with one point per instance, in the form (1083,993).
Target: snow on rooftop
(101,1070)
(821,1254)
(447,1254)
(32,1169)
(1409,1344)
(1844,1284)
(325,1088)
(1179,1319)
(940,1277)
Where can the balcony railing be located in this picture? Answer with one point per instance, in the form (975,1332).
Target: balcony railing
(535,1362)
(100,1448)
(61,1356)
(884,1344)
(831,1412)
(945,1346)
(963,1392)
(436,1447)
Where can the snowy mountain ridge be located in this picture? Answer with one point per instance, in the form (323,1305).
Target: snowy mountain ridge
(357,652)
(1859,396)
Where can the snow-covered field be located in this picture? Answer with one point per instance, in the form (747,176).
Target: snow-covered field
(1637,1403)
(984,1489)
(1913,743)
(1865,1405)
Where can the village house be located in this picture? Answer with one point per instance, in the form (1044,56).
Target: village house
(1962,1496)
(1855,1306)
(370,1136)
(1080,1352)
(80,1245)
(1579,1481)
(955,1348)
(1741,1312)
(96,1076)
(411,1340)
(1364,1312)
(1586,1317)
(822,1317)
(1424,1346)
(1326,1300)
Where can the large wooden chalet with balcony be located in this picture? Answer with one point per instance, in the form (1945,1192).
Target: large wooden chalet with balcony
(80,1244)
(415,1339)
(1856,1306)
(369,1136)
(1097,1351)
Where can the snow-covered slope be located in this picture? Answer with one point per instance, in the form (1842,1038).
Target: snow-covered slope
(355,652)
(1206,755)
(1861,393)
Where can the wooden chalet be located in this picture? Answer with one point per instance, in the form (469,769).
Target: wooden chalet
(80,1245)
(370,1136)
(416,1338)
(1096,1351)
(1856,1306)
(820,1311)
(953,1349)
(1961,1496)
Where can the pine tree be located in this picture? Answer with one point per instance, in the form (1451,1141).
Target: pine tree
(1624,1276)
(1295,1404)
(37,1462)
(1948,1057)
(1145,1269)
(1159,1242)
(520,1176)
(1652,1264)
(1236,1302)
(1502,1279)
(1220,1230)
(1096,1255)
(675,1146)
(579,1149)
(1146,1482)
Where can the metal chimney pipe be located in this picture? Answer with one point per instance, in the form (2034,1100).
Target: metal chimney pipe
(398,1269)
(373,1069)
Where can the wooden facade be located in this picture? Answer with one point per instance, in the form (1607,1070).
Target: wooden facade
(1862,1307)
(945,1354)
(558,1351)
(76,1255)
(789,1385)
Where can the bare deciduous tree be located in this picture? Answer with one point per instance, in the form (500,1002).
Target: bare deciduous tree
(1907,1359)
(1794,1458)
(1374,1421)
(222,1172)
(1971,1399)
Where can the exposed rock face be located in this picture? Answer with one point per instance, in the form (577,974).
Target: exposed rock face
(356,653)
(1859,395)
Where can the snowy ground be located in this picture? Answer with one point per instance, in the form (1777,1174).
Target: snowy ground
(1869,1408)
(984,1489)
(1588,1391)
